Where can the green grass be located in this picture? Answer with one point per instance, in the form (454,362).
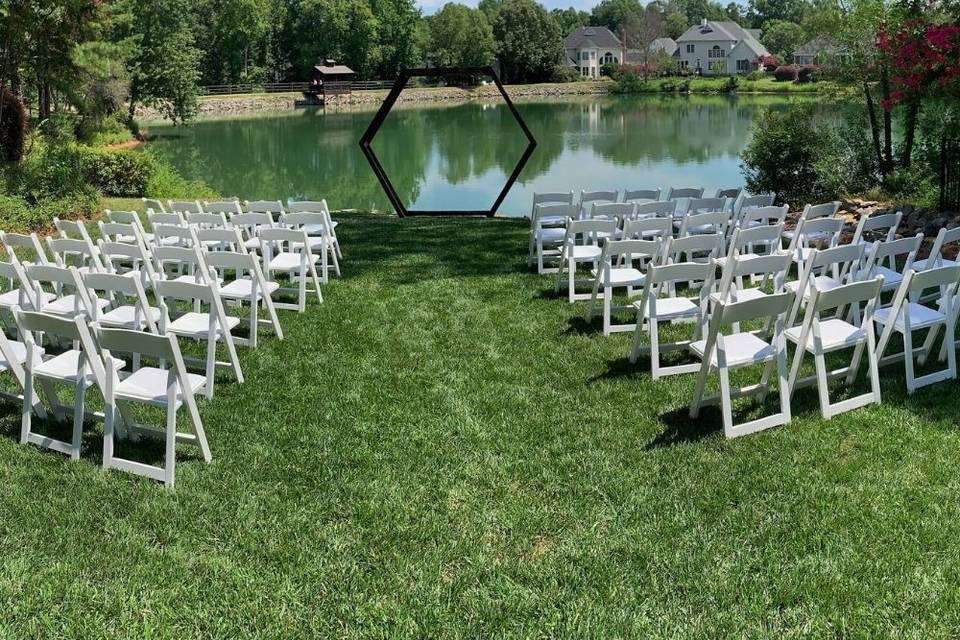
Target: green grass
(717,85)
(443,448)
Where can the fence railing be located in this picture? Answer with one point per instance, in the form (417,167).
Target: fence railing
(281,87)
(949,175)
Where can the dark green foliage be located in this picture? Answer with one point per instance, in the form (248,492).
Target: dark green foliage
(13,126)
(122,173)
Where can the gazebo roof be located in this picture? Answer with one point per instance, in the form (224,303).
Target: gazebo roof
(333,70)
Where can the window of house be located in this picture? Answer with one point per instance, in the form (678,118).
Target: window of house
(683,65)
(743,64)
(716,52)
(593,55)
(691,48)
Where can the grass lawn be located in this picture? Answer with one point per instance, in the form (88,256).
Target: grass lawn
(443,448)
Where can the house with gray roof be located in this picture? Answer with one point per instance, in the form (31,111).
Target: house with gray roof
(718,48)
(589,48)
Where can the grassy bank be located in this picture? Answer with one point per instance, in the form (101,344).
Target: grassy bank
(445,449)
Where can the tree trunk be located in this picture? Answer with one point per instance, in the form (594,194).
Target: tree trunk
(874,129)
(887,119)
(43,102)
(909,135)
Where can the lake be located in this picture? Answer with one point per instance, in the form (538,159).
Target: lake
(459,156)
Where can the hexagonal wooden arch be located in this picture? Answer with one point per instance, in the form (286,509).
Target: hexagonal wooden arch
(378,120)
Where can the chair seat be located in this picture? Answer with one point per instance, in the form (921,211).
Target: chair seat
(10,299)
(125,317)
(625,276)
(553,221)
(288,261)
(920,317)
(318,229)
(553,234)
(19,353)
(741,349)
(242,288)
(252,243)
(739,295)
(197,325)
(67,305)
(920,265)
(891,278)
(814,236)
(149,384)
(822,283)
(673,308)
(65,367)
(585,252)
(834,334)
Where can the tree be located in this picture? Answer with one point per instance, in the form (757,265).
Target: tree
(396,21)
(570,19)
(675,25)
(491,9)
(529,43)
(641,30)
(782,38)
(165,65)
(761,11)
(13,126)
(735,12)
(614,14)
(461,37)
(821,19)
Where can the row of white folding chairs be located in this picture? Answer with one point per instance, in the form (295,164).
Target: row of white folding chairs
(90,360)
(587,199)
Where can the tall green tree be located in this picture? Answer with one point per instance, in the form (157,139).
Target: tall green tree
(782,38)
(461,37)
(570,19)
(614,14)
(762,11)
(396,26)
(165,63)
(529,43)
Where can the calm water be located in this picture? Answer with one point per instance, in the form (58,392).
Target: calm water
(458,157)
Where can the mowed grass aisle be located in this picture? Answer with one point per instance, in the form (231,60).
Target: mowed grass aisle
(443,448)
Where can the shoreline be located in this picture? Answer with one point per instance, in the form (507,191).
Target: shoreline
(212,107)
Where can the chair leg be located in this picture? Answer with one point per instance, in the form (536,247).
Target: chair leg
(254,322)
(211,367)
(198,428)
(822,385)
(78,406)
(607,303)
(654,347)
(316,282)
(701,385)
(27,415)
(109,416)
(637,337)
(170,454)
(571,280)
(782,376)
(908,359)
(726,402)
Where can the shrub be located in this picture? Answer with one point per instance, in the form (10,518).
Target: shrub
(13,127)
(730,85)
(17,214)
(806,73)
(564,73)
(684,86)
(754,76)
(120,173)
(166,182)
(787,73)
(785,153)
(628,82)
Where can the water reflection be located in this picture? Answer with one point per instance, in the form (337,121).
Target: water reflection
(459,156)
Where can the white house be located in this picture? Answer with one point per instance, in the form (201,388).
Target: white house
(589,48)
(713,47)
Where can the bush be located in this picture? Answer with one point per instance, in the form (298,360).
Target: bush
(730,85)
(785,153)
(13,127)
(166,182)
(806,73)
(787,73)
(628,82)
(121,173)
(564,73)
(17,214)
(754,76)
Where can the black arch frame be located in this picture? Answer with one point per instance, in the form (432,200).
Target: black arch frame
(442,72)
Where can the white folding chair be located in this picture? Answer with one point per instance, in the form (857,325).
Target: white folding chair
(641,196)
(611,211)
(701,223)
(183,207)
(745,202)
(945,238)
(129,306)
(820,337)
(765,272)
(746,242)
(288,251)
(647,228)
(79,367)
(221,240)
(19,290)
(904,317)
(825,269)
(877,227)
(539,221)
(322,242)
(810,213)
(731,195)
(249,225)
(13,358)
(681,196)
(762,216)
(329,226)
(653,308)
(28,244)
(132,218)
(212,325)
(247,286)
(169,388)
(206,220)
(617,270)
(706,205)
(890,251)
(810,235)
(695,248)
(547,234)
(72,229)
(657,209)
(227,207)
(153,203)
(589,198)
(128,259)
(272,207)
(582,245)
(724,352)
(170,235)
(70,252)
(60,281)
(120,232)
